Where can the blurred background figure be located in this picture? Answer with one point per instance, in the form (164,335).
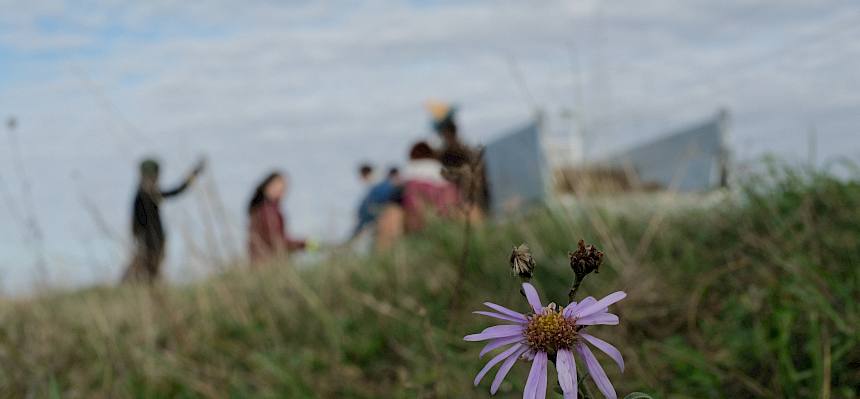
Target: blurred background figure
(267,229)
(453,153)
(462,162)
(378,196)
(146,226)
(425,190)
(365,174)
(363,213)
(393,174)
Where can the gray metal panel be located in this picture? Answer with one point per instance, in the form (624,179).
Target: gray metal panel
(516,169)
(688,160)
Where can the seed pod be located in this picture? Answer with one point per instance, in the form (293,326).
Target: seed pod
(585,260)
(522,262)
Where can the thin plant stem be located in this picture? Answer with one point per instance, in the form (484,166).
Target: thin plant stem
(472,187)
(577,281)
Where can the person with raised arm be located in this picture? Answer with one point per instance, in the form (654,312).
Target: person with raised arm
(146,224)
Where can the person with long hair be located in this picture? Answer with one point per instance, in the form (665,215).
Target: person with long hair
(267,230)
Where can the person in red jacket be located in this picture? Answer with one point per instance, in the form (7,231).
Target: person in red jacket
(267,231)
(425,190)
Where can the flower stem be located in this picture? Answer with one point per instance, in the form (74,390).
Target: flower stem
(577,281)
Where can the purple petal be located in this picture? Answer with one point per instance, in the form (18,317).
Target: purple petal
(606,347)
(598,318)
(533,298)
(566,368)
(573,307)
(500,342)
(502,356)
(505,368)
(536,374)
(568,308)
(503,310)
(502,331)
(529,355)
(541,391)
(499,316)
(599,305)
(596,371)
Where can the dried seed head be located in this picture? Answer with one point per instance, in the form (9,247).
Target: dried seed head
(585,260)
(522,262)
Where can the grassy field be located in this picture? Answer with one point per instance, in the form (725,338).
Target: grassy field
(757,295)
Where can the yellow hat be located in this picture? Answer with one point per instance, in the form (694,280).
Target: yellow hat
(441,112)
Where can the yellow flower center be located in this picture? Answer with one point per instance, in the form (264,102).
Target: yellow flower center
(550,331)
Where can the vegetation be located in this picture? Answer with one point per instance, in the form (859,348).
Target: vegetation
(757,295)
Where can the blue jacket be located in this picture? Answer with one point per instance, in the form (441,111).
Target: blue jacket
(372,204)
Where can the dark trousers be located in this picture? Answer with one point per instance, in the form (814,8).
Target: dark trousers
(145,265)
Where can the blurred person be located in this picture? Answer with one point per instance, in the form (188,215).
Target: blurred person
(267,230)
(363,214)
(389,227)
(378,196)
(395,176)
(147,228)
(365,174)
(425,190)
(453,153)
(393,173)
(462,162)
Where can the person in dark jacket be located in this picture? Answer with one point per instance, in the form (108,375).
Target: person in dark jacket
(464,165)
(146,225)
(267,231)
(378,196)
(454,152)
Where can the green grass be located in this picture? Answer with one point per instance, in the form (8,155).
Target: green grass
(755,296)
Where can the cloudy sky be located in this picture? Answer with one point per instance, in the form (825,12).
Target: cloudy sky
(314,87)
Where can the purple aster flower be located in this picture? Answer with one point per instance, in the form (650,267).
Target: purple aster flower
(545,333)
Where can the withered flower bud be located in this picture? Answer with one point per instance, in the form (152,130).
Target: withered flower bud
(522,262)
(585,260)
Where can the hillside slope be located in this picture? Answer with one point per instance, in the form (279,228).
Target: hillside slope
(755,297)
